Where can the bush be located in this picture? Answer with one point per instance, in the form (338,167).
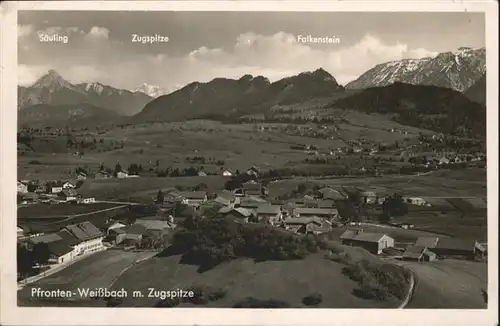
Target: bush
(250,302)
(312,299)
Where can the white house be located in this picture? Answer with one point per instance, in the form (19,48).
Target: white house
(68,195)
(68,185)
(89,237)
(227,173)
(89,200)
(122,174)
(21,187)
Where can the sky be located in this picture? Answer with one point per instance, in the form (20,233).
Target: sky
(205,45)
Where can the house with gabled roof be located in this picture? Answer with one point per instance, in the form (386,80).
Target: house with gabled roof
(89,237)
(328,213)
(68,195)
(269,213)
(372,242)
(239,214)
(193,198)
(22,188)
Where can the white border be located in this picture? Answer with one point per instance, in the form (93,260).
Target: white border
(10,314)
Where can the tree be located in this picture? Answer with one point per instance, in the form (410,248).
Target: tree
(394,206)
(24,261)
(41,253)
(118,168)
(160,197)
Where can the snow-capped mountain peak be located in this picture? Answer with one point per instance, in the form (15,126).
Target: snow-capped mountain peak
(457,69)
(96,87)
(151,90)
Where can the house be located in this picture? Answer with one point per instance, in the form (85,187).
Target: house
(418,253)
(155,226)
(193,198)
(102,175)
(68,195)
(68,185)
(251,202)
(89,200)
(328,213)
(20,231)
(60,252)
(416,201)
(202,174)
(458,247)
(255,171)
(225,198)
(123,174)
(307,225)
(271,213)
(240,214)
(114,225)
(369,197)
(43,238)
(22,188)
(88,235)
(239,192)
(80,176)
(227,173)
(134,232)
(373,242)
(252,188)
(443,160)
(55,187)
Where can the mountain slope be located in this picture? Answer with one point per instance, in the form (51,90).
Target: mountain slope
(151,90)
(477,92)
(429,107)
(52,89)
(231,97)
(457,70)
(73,115)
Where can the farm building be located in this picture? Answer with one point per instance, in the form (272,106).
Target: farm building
(253,188)
(269,212)
(68,185)
(193,198)
(81,176)
(102,175)
(68,195)
(155,227)
(60,252)
(307,225)
(22,188)
(327,213)
(324,203)
(251,202)
(451,246)
(88,235)
(134,232)
(123,174)
(114,225)
(373,242)
(239,214)
(369,197)
(55,187)
(418,253)
(226,198)
(227,173)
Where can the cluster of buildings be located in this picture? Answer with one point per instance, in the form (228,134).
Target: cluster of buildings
(41,191)
(70,242)
(424,249)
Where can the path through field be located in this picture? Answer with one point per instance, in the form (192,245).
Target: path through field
(451,284)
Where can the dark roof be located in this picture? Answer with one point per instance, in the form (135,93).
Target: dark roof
(222,200)
(316,211)
(455,244)
(268,209)
(303,220)
(362,236)
(68,237)
(429,242)
(59,248)
(226,194)
(45,238)
(194,194)
(135,229)
(84,231)
(69,192)
(349,234)
(154,224)
(252,186)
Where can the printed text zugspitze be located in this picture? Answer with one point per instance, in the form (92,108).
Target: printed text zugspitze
(143,39)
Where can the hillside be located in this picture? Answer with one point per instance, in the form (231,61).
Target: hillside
(77,115)
(224,97)
(457,70)
(428,107)
(52,89)
(477,92)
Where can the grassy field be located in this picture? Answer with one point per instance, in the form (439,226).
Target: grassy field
(288,281)
(239,146)
(449,284)
(54,210)
(144,189)
(97,271)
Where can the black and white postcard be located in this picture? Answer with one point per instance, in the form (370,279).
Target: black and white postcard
(328,162)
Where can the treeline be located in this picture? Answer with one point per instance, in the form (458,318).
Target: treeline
(209,242)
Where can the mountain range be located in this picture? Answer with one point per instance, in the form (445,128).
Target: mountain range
(52,89)
(455,69)
(426,93)
(236,97)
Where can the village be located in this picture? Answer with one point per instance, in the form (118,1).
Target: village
(320,211)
